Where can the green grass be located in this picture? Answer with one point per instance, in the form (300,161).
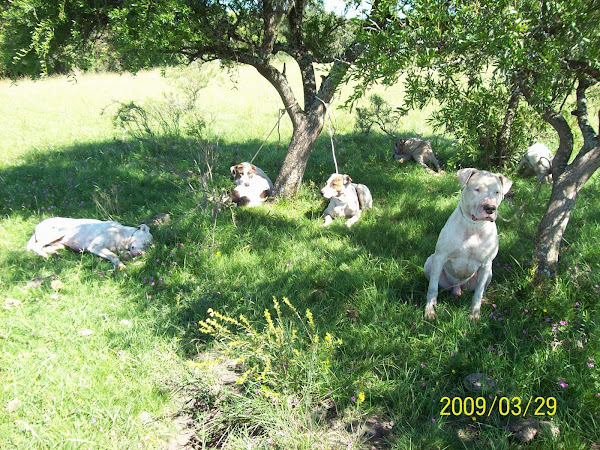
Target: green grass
(146,360)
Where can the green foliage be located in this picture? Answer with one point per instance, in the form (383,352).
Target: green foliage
(41,37)
(469,58)
(379,112)
(45,37)
(365,286)
(287,357)
(475,117)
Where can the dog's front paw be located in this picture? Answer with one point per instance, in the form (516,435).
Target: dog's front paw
(475,316)
(351,221)
(430,313)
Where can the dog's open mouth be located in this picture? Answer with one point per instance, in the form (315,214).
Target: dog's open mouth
(489,218)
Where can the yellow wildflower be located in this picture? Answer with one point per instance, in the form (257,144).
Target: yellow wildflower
(309,317)
(361,397)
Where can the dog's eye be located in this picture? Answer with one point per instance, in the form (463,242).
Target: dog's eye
(477,190)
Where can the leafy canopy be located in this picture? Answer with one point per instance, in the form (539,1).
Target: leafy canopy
(43,36)
(470,56)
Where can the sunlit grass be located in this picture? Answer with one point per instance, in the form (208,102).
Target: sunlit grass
(100,361)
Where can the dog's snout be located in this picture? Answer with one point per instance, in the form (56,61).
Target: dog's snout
(490,209)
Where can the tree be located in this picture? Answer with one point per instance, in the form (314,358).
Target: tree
(543,52)
(43,36)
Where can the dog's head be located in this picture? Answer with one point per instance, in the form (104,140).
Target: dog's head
(411,145)
(140,240)
(335,185)
(399,148)
(482,193)
(242,173)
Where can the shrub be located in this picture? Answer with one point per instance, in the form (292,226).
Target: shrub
(288,356)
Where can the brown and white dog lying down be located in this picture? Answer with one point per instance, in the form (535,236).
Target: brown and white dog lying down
(99,237)
(539,158)
(347,199)
(418,149)
(468,242)
(253,186)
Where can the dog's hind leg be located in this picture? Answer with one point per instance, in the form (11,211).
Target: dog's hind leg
(421,160)
(436,163)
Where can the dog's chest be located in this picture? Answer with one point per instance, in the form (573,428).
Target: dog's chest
(477,247)
(470,252)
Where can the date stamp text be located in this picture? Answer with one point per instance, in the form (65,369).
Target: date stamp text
(505,406)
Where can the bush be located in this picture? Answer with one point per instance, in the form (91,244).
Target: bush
(286,357)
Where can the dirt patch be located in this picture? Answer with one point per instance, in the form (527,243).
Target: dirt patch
(212,409)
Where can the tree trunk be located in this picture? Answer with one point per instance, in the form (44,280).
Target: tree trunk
(307,128)
(503,137)
(562,201)
(567,180)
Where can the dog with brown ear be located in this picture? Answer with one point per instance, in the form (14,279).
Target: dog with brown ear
(253,186)
(468,242)
(347,199)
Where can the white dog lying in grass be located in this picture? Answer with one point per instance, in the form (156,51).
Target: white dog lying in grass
(101,238)
(347,199)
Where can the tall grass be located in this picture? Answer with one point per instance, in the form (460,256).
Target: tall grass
(108,359)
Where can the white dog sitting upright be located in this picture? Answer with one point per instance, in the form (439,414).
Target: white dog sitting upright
(252,185)
(539,157)
(468,242)
(99,237)
(347,199)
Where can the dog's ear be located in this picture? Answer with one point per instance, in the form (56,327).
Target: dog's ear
(347,179)
(399,146)
(232,170)
(506,183)
(253,168)
(144,228)
(464,175)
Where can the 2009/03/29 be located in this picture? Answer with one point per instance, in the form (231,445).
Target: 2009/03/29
(468,406)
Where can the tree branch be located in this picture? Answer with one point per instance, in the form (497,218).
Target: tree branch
(585,68)
(565,139)
(590,138)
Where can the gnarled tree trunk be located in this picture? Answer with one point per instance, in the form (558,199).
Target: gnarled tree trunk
(568,180)
(307,128)
(565,189)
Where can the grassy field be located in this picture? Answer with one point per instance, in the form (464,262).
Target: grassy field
(259,328)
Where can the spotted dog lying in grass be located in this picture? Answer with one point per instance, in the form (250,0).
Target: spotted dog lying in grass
(347,199)
(417,149)
(253,186)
